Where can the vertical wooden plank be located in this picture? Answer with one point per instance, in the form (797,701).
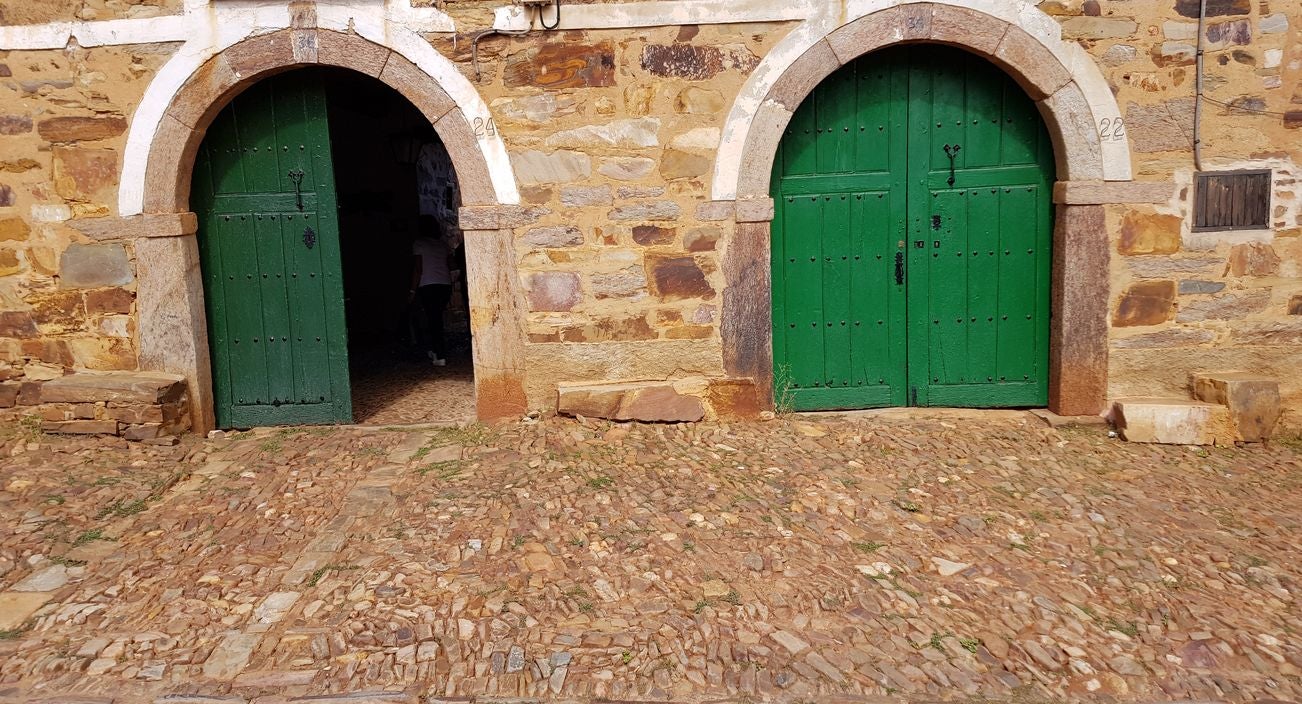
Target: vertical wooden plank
(1017,289)
(238,251)
(804,302)
(983,110)
(310,339)
(269,245)
(836,290)
(257,130)
(983,283)
(947,298)
(800,142)
(1019,128)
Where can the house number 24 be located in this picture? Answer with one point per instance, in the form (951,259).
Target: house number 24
(484,129)
(1111,129)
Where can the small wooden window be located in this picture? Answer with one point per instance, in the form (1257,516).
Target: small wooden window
(1232,200)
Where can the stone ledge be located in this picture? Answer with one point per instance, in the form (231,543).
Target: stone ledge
(120,387)
(135,226)
(1109,192)
(646,401)
(1170,421)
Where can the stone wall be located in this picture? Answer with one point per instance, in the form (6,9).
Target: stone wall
(1186,302)
(67,301)
(612,137)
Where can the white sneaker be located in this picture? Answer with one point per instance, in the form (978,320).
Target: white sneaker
(438,362)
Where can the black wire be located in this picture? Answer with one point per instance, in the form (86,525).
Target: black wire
(557,5)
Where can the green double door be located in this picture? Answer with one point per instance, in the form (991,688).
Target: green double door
(911,240)
(264,192)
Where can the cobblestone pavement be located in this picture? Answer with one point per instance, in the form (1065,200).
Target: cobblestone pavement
(810,559)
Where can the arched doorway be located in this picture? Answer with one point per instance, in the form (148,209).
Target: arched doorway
(310,188)
(910,252)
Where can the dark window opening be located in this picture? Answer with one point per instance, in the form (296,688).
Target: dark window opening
(1232,200)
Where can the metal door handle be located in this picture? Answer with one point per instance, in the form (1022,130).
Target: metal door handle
(899,268)
(296,177)
(951,155)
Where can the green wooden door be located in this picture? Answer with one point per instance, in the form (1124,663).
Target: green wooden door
(893,285)
(269,247)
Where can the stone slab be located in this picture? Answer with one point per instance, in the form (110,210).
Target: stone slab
(123,228)
(640,401)
(120,387)
(80,427)
(1253,401)
(1108,192)
(1173,421)
(17,607)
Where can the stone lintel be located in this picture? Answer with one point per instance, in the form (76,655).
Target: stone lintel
(1108,192)
(716,210)
(134,226)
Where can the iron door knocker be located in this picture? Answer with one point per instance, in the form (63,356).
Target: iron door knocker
(296,176)
(951,155)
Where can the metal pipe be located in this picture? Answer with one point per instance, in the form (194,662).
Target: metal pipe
(1198,89)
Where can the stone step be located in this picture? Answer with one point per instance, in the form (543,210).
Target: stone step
(1253,401)
(1173,421)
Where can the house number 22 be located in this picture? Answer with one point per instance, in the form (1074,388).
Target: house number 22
(1111,129)
(484,128)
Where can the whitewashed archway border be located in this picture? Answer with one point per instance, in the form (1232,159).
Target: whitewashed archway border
(1113,153)
(227,25)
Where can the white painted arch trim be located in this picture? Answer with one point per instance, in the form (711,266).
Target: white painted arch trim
(221,26)
(822,22)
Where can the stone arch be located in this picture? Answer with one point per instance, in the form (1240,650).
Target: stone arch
(1072,98)
(172,321)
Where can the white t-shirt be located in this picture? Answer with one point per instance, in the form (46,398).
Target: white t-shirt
(433,255)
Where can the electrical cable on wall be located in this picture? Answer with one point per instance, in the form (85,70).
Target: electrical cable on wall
(534,8)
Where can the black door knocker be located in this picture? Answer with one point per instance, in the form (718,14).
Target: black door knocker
(296,176)
(309,237)
(951,155)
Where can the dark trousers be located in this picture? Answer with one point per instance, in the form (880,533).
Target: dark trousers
(434,299)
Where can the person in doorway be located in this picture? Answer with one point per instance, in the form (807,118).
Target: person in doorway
(431,283)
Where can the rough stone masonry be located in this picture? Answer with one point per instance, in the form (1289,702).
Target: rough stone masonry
(612,131)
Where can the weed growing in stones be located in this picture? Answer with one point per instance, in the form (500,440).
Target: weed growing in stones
(868,546)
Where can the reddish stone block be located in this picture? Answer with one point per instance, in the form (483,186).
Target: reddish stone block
(1253,259)
(677,278)
(109,300)
(29,393)
(80,129)
(1253,401)
(1149,233)
(648,235)
(563,65)
(17,323)
(89,175)
(9,394)
(735,399)
(1145,303)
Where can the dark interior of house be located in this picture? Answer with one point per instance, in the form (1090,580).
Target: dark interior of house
(390,169)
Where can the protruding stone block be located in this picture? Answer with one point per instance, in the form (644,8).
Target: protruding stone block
(125,387)
(1253,401)
(657,402)
(1174,421)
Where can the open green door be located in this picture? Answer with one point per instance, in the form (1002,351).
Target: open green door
(911,240)
(269,248)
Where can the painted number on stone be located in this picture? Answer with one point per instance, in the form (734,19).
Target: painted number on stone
(1112,129)
(485,129)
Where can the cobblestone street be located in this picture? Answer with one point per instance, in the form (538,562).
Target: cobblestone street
(952,556)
